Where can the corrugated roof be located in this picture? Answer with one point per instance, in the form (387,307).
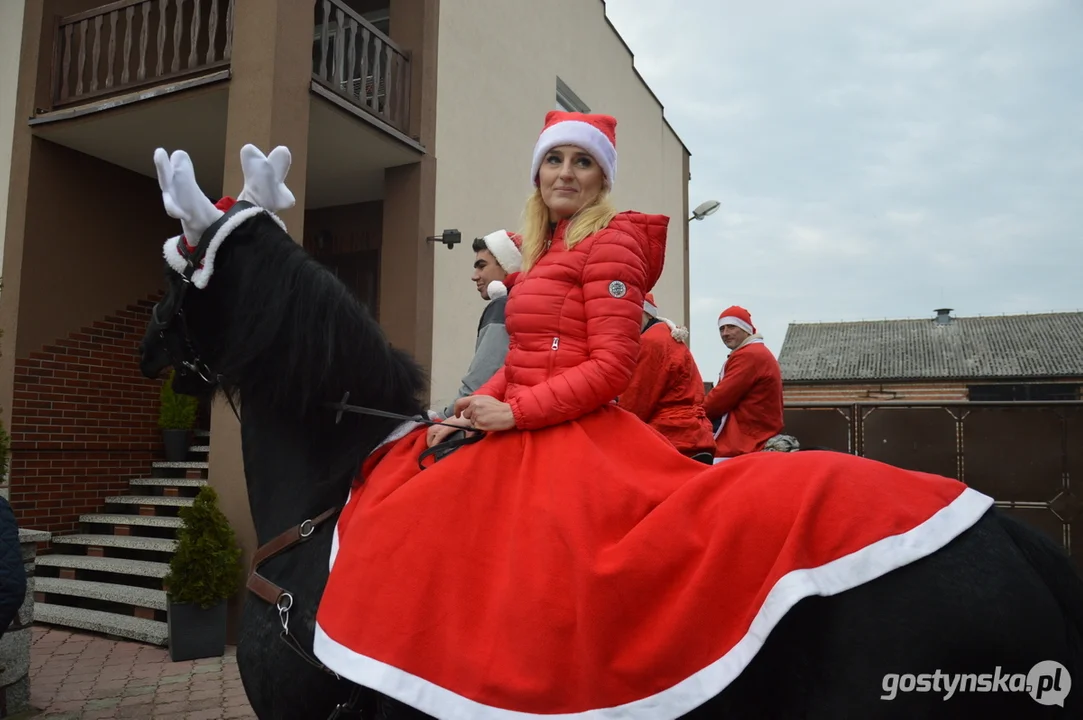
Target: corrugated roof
(1009,346)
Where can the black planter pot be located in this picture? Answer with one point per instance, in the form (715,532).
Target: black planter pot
(176,445)
(196,633)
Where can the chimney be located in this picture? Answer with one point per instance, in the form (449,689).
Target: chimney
(943,316)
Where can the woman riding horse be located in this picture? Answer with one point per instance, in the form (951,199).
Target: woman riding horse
(574,565)
(572,562)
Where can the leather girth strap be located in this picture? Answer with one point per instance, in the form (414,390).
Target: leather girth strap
(299,533)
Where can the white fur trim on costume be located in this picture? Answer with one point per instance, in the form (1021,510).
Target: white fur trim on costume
(845,573)
(580,134)
(730,320)
(503,249)
(680,334)
(650,308)
(496,289)
(203,275)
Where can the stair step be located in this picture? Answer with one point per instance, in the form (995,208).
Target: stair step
(199,448)
(150,500)
(169,482)
(121,566)
(185,465)
(128,542)
(149,631)
(109,592)
(166,521)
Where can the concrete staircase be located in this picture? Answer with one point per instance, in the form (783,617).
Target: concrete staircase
(108,578)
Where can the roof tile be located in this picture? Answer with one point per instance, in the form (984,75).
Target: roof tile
(1010,346)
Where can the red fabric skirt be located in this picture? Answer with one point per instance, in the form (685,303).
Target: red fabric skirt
(589,570)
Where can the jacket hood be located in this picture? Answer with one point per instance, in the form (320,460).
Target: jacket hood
(652,231)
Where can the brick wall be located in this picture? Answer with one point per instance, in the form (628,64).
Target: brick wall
(84,422)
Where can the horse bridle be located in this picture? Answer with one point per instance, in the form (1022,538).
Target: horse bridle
(186,360)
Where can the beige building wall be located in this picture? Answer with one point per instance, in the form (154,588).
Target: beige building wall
(499,61)
(11,36)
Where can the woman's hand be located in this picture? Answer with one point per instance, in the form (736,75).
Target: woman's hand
(438,433)
(486,413)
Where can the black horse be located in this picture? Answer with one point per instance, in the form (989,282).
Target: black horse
(285,340)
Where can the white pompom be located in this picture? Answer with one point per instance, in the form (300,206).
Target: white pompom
(496,289)
(680,334)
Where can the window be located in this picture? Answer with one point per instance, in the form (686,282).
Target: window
(568,100)
(1048,392)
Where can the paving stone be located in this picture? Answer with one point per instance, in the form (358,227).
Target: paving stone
(173,707)
(99,714)
(165,696)
(209,714)
(144,699)
(81,676)
(173,679)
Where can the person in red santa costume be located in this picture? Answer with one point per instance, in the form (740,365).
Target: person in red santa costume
(570,563)
(666,390)
(747,400)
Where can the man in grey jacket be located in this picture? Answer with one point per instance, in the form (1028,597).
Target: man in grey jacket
(496,256)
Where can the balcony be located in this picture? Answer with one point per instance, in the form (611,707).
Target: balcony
(357,66)
(122,79)
(132,45)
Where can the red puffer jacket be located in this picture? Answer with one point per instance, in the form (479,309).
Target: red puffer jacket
(573,321)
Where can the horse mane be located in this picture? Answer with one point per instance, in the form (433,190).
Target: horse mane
(297,336)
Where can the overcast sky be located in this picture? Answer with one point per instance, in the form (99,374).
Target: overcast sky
(873,159)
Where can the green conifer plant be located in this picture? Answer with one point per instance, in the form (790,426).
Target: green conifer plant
(206,567)
(176,412)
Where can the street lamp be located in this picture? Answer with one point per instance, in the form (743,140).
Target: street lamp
(704,209)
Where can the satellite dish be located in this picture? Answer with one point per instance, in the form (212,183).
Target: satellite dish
(705,208)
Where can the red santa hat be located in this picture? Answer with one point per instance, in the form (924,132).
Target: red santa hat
(649,305)
(738,316)
(596,134)
(507,248)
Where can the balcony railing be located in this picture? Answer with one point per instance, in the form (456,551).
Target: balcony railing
(130,44)
(356,61)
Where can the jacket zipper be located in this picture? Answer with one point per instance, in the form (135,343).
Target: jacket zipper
(553,355)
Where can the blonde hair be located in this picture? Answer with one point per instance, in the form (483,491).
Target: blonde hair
(535,233)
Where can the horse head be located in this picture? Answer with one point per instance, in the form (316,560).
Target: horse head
(249,313)
(180,332)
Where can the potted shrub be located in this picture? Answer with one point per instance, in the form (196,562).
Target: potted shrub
(204,573)
(176,418)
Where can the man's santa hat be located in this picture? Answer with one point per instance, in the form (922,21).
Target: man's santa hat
(737,316)
(680,334)
(596,134)
(507,248)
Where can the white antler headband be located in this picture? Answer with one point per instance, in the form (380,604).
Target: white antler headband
(264,187)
